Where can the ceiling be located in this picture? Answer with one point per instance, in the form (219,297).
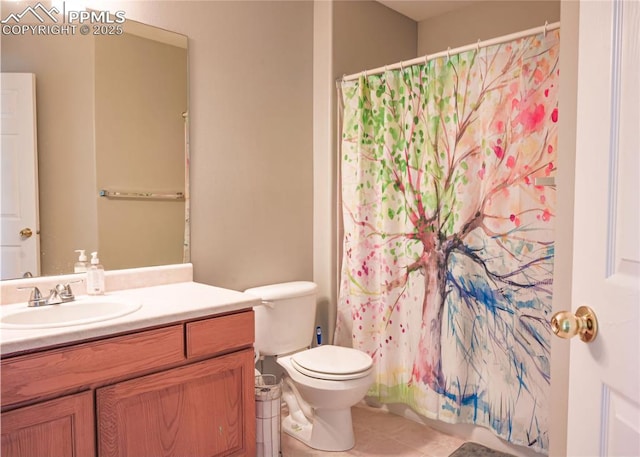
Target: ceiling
(419,10)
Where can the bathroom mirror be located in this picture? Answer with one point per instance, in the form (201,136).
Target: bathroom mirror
(112,116)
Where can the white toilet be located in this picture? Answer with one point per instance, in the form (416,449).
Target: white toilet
(321,384)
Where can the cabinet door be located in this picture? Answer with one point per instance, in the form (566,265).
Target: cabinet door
(63,427)
(204,409)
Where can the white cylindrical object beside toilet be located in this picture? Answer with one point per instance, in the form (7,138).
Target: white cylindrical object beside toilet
(268,393)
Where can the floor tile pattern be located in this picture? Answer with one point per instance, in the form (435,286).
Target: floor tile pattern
(379,433)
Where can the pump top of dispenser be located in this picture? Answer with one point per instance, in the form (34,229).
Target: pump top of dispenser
(95,276)
(94,258)
(81,265)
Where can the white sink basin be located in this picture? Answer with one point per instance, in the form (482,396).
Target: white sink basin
(84,310)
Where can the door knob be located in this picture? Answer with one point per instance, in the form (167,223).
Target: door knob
(565,324)
(26,233)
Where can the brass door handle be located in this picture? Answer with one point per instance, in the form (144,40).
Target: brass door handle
(565,324)
(26,233)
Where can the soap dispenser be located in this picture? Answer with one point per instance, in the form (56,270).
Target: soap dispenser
(81,265)
(95,276)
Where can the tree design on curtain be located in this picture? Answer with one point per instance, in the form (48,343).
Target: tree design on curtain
(448,249)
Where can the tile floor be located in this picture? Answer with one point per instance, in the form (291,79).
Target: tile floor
(379,433)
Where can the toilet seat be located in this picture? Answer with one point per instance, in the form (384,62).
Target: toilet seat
(334,363)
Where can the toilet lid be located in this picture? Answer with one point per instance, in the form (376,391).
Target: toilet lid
(332,362)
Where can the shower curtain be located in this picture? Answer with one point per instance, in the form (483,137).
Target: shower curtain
(448,249)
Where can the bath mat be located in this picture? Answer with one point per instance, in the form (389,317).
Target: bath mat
(477,450)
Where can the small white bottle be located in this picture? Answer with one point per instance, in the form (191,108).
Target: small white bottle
(95,276)
(81,265)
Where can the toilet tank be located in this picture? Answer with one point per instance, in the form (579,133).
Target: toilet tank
(284,323)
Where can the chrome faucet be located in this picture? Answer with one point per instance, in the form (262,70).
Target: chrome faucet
(61,293)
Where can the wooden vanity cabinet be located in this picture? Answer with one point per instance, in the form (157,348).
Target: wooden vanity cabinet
(197,401)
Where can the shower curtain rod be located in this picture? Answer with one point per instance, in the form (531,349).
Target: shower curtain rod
(449,52)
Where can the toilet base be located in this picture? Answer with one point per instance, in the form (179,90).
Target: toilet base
(329,430)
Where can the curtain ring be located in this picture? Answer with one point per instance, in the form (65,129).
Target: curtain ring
(426,60)
(546,24)
(402,66)
(449,53)
(478,45)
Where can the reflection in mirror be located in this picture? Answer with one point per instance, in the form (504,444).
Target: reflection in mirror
(111,115)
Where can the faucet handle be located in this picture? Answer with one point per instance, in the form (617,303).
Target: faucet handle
(64,290)
(36,298)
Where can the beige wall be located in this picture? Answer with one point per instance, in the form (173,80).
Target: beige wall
(251,135)
(367,34)
(141,93)
(483,20)
(253,156)
(64,97)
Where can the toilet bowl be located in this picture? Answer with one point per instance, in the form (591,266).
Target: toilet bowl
(320,387)
(320,384)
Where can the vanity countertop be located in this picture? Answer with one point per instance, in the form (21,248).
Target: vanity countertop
(161,304)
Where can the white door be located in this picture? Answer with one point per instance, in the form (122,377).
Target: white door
(20,244)
(604,384)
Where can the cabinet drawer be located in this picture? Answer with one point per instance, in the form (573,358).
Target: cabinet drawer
(33,376)
(219,334)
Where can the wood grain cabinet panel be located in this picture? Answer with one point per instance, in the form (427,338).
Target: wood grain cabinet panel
(213,336)
(204,409)
(57,370)
(63,427)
